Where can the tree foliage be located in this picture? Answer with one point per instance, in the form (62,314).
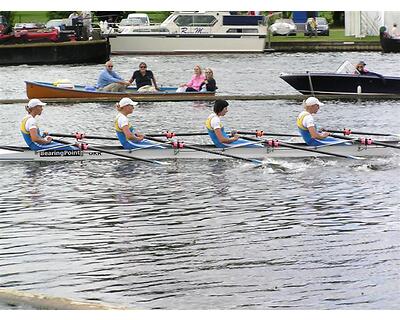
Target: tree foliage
(9,16)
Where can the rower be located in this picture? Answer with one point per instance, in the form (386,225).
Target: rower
(125,132)
(307,126)
(31,133)
(216,128)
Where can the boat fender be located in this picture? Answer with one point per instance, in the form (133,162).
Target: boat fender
(359,90)
(64,83)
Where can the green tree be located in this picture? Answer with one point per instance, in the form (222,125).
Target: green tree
(9,16)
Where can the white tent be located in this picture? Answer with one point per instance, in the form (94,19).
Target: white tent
(368,23)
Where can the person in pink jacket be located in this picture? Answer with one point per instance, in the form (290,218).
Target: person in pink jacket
(195,83)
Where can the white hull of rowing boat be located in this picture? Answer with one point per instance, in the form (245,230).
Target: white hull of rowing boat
(169,153)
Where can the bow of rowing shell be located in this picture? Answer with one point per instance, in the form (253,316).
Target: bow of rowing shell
(171,153)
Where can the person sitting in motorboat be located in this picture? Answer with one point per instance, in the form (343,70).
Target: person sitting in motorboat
(216,130)
(307,127)
(194,84)
(209,83)
(145,80)
(395,33)
(31,132)
(110,81)
(128,137)
(360,69)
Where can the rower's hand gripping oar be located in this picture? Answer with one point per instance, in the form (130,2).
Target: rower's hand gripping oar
(188,146)
(276,143)
(85,146)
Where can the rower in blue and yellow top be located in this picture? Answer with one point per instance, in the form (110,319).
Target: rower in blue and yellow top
(31,133)
(216,129)
(129,138)
(307,127)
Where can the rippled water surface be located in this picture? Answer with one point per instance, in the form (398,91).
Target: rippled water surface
(202,234)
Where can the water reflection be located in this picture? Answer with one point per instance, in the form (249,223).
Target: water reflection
(204,234)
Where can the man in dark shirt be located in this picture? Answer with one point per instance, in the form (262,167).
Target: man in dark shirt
(145,80)
(363,71)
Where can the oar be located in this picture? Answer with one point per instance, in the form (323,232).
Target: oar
(261,133)
(364,141)
(80,136)
(347,132)
(11,148)
(192,147)
(292,146)
(115,153)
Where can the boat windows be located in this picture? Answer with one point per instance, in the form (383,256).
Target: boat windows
(133,22)
(347,68)
(240,30)
(195,21)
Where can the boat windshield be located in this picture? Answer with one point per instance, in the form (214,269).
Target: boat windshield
(347,68)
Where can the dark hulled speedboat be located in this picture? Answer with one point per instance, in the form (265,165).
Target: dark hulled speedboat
(343,81)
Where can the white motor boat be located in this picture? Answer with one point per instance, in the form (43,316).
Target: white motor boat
(193,32)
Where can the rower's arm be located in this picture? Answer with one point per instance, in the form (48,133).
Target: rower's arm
(223,139)
(316,135)
(38,139)
(129,135)
(154,82)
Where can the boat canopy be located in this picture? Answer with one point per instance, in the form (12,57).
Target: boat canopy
(347,68)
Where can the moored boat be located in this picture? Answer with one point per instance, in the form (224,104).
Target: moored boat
(343,81)
(194,32)
(37,89)
(388,43)
(10,153)
(94,51)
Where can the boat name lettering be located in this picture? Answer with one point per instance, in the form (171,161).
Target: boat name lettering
(60,153)
(94,153)
(197,30)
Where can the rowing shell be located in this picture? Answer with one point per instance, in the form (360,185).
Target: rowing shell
(169,153)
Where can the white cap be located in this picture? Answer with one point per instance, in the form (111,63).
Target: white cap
(126,101)
(312,101)
(35,102)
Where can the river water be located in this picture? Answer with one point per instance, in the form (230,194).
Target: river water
(201,234)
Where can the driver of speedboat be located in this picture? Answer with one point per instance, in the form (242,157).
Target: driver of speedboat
(360,67)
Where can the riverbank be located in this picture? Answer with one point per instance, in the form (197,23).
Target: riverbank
(322,46)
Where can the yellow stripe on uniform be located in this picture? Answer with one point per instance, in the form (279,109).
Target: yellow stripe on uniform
(23,125)
(299,121)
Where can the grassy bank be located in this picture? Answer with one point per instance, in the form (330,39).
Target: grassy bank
(334,35)
(30,16)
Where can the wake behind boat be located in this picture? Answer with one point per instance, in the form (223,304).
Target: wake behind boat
(344,81)
(12,153)
(37,89)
